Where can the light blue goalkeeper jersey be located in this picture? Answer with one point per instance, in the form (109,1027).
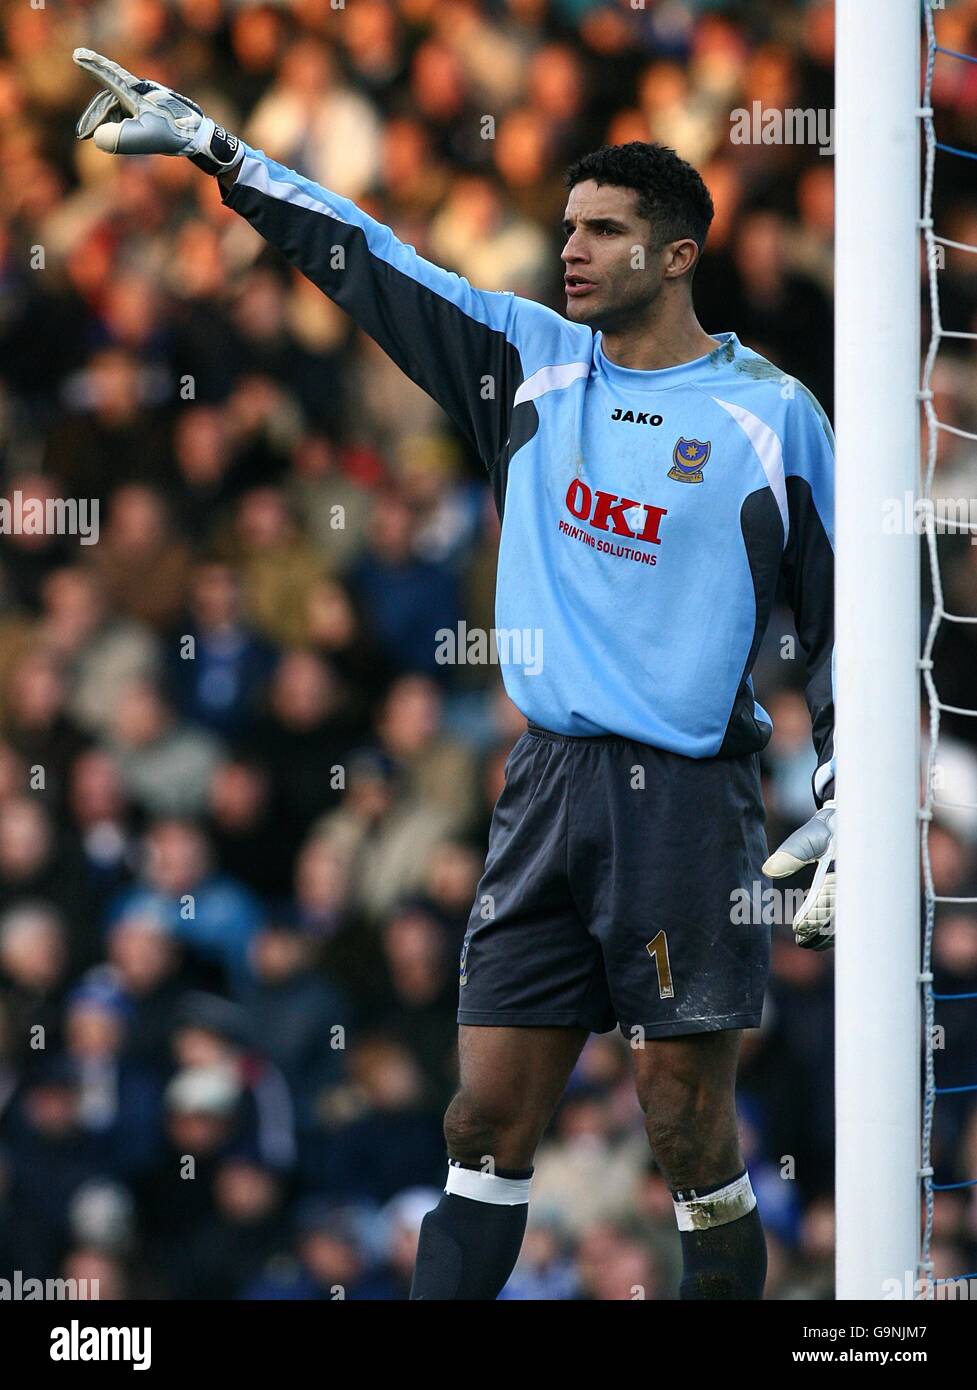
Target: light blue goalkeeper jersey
(647,516)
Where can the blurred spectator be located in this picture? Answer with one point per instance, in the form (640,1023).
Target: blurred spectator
(245,830)
(114,433)
(27,556)
(616,1266)
(322,886)
(303,740)
(37,865)
(338,633)
(422,977)
(589,1139)
(39,729)
(452,873)
(203,452)
(333,509)
(311,121)
(278,566)
(438,770)
(33,970)
(218,667)
(345,948)
(140,563)
(101,823)
(332,1260)
(201,1127)
(100,1269)
(102,1216)
(380,1135)
(118,1097)
(149,966)
(545,1270)
(491,246)
(165,767)
(50,1157)
(99,650)
(401,1218)
(383,832)
(407,600)
(214,916)
(248,1226)
(303,1018)
(213,1033)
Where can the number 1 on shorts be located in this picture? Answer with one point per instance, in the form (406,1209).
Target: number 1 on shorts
(659,949)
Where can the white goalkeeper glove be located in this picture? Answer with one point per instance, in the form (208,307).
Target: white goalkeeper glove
(136,116)
(814,922)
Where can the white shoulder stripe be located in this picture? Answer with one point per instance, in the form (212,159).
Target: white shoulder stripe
(550,379)
(823,776)
(768,451)
(256,174)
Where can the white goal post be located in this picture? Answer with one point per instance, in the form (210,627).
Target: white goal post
(877,606)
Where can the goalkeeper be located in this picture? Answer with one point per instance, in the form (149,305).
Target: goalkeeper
(656,484)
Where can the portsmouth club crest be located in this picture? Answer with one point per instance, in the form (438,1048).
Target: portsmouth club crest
(689,457)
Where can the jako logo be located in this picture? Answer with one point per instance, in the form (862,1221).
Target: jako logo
(625,516)
(77,1343)
(641,417)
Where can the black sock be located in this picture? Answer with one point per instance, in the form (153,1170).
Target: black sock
(726,1261)
(468,1248)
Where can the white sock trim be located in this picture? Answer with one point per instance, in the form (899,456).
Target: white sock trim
(486,1187)
(729,1203)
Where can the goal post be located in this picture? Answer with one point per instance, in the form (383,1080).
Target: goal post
(877,606)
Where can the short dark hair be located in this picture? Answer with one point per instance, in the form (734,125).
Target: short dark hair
(671,193)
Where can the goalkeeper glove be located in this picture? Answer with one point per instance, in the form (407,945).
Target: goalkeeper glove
(136,116)
(814,922)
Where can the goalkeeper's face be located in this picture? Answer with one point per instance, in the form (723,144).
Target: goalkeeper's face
(613,267)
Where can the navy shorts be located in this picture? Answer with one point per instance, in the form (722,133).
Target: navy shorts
(613,892)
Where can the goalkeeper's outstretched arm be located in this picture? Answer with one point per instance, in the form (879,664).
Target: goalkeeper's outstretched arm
(470,349)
